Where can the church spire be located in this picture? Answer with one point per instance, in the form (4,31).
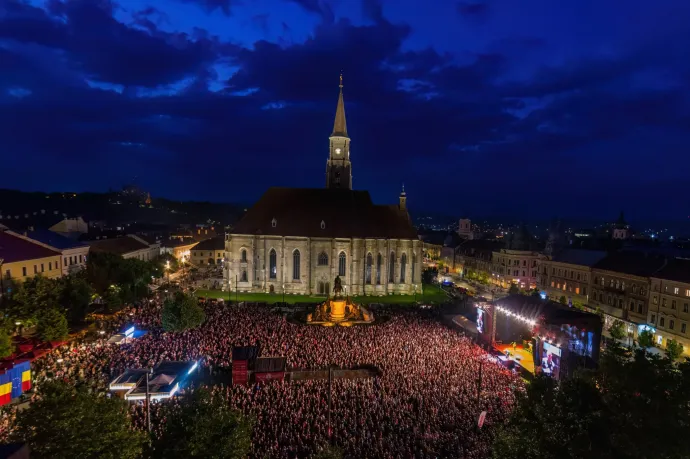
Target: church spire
(340,125)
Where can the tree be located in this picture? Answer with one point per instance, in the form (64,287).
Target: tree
(645,339)
(674,349)
(205,427)
(70,423)
(629,408)
(52,325)
(617,330)
(6,346)
(513,289)
(181,312)
(563,300)
(34,295)
(75,296)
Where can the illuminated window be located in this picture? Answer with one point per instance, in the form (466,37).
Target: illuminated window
(273,268)
(295,265)
(379,266)
(341,263)
(403,266)
(687,292)
(676,291)
(577,290)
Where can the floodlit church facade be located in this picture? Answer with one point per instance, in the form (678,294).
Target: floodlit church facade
(297,240)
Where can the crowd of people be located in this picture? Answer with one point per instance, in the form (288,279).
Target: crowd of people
(432,387)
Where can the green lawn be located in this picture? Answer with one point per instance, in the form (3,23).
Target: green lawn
(432,294)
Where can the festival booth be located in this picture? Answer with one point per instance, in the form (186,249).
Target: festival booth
(128,380)
(269,368)
(164,381)
(242,358)
(540,336)
(127,336)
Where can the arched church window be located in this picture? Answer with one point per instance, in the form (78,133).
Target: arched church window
(295,265)
(342,260)
(272,265)
(379,266)
(403,265)
(244,255)
(414,267)
(367,273)
(391,268)
(243,276)
(323,259)
(274,223)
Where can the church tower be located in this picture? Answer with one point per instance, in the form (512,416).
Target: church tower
(339,168)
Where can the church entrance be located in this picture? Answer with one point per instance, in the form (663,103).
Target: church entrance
(271,289)
(324,288)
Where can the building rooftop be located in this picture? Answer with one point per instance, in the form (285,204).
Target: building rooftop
(54,239)
(118,245)
(549,312)
(15,248)
(323,212)
(579,257)
(633,263)
(677,269)
(215,243)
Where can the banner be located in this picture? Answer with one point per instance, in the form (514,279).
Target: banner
(240,374)
(269,364)
(270,376)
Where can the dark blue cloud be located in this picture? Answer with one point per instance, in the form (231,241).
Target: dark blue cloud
(514,118)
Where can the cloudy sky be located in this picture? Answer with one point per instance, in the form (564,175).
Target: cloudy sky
(530,107)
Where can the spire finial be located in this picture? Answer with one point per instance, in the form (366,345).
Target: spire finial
(341,79)
(403,189)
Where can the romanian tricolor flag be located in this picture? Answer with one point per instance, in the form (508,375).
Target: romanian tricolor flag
(5,393)
(26,380)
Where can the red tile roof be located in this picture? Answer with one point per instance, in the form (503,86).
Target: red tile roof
(118,245)
(344,213)
(14,248)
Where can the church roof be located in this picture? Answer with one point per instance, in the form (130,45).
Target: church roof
(344,213)
(340,125)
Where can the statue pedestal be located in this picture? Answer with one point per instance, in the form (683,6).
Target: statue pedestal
(337,310)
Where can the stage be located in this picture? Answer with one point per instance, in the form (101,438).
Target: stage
(522,357)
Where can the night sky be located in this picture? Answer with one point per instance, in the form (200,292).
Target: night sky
(503,107)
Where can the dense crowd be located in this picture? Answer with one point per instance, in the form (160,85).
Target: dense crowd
(424,404)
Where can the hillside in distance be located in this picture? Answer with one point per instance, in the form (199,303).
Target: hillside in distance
(129,205)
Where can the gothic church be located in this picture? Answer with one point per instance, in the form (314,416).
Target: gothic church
(297,240)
